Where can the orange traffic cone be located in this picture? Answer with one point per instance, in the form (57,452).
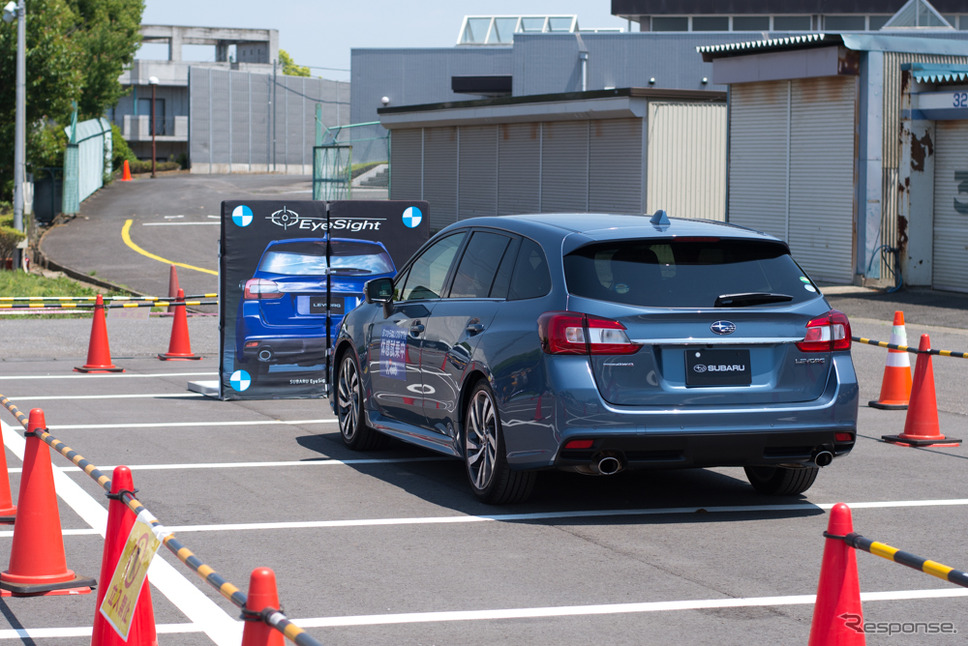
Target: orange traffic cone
(837,616)
(99,350)
(921,426)
(896,385)
(262,594)
(172,287)
(142,631)
(180,346)
(126,172)
(8,510)
(37,562)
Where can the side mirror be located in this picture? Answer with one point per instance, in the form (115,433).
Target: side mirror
(378,290)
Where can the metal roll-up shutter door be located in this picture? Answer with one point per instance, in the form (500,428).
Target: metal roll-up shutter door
(406,153)
(564,166)
(758,155)
(950,255)
(440,175)
(478,171)
(822,196)
(687,160)
(615,166)
(519,164)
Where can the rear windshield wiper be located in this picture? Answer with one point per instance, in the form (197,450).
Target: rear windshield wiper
(750,298)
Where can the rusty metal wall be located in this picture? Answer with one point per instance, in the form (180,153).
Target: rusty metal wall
(892,231)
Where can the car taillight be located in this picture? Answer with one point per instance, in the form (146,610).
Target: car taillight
(576,333)
(256,288)
(828,333)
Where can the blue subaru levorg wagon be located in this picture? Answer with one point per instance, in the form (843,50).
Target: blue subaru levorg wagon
(597,343)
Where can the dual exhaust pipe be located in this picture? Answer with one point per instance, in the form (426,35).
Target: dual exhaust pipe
(608,464)
(822,457)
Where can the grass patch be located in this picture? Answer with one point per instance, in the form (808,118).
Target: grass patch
(20,283)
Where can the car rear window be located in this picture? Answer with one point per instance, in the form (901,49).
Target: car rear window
(347,258)
(687,272)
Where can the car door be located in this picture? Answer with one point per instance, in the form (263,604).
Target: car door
(455,327)
(395,341)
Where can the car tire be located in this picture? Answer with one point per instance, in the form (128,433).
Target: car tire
(781,481)
(349,408)
(492,479)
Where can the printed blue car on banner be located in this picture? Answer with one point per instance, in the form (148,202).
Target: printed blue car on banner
(282,314)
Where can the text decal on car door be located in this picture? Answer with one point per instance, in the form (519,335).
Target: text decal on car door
(393,352)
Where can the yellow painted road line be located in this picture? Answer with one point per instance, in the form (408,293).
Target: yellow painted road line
(126,236)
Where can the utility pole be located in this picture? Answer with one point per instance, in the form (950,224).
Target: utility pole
(18,11)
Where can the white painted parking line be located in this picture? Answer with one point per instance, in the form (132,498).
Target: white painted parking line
(211,619)
(610,609)
(531,613)
(539,516)
(113,375)
(178,224)
(316,462)
(264,422)
(37,398)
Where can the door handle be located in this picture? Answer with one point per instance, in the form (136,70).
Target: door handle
(474,328)
(416,328)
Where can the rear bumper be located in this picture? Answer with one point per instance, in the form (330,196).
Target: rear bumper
(683,450)
(538,430)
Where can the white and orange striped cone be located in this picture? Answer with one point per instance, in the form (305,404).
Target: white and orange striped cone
(896,385)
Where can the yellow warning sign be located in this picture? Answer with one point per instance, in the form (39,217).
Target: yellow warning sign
(122,594)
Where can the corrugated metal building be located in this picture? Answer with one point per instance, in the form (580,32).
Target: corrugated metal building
(815,155)
(625,151)
(536,64)
(258,123)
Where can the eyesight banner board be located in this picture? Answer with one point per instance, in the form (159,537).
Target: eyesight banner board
(288,271)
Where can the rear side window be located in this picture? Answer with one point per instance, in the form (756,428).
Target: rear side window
(478,266)
(530,277)
(699,272)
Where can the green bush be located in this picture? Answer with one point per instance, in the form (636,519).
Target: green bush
(144,166)
(358,169)
(9,237)
(121,150)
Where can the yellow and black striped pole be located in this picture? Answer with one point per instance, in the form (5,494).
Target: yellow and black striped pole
(906,558)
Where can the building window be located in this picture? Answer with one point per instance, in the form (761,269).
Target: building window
(792,23)
(875,22)
(751,23)
(958,21)
(670,24)
(844,23)
(710,23)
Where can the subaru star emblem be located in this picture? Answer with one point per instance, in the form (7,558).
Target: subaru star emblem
(723,327)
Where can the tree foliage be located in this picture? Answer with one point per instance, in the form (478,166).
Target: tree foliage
(289,67)
(108,33)
(76,51)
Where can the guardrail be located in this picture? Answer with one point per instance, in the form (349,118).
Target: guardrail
(272,617)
